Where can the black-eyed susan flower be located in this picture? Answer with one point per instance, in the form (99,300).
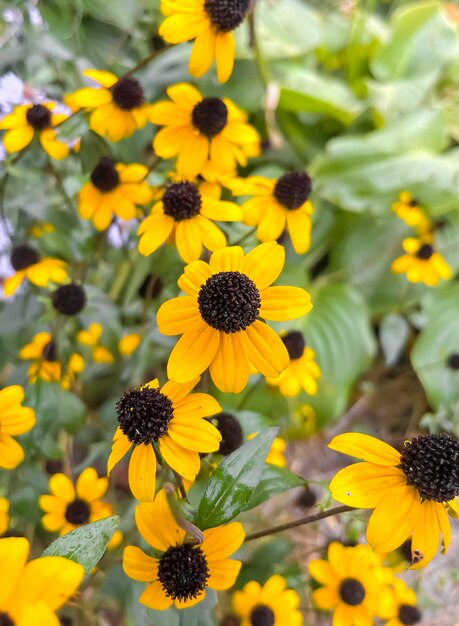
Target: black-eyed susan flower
(302,371)
(411,491)
(69,507)
(28,265)
(354,585)
(91,337)
(276,205)
(200,129)
(421,263)
(4,514)
(114,189)
(28,120)
(129,343)
(271,604)
(404,610)
(186,214)
(15,420)
(32,592)
(183,571)
(407,209)
(170,418)
(69,299)
(276,454)
(210,23)
(117,108)
(222,317)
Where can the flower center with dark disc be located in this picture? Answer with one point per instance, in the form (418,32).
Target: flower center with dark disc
(352,591)
(69,299)
(229,302)
(183,571)
(23,256)
(49,352)
(226,15)
(425,252)
(293,189)
(144,414)
(294,342)
(128,93)
(77,512)
(231,432)
(210,116)
(105,176)
(262,616)
(5,619)
(453,361)
(182,201)
(413,203)
(409,615)
(39,117)
(431,464)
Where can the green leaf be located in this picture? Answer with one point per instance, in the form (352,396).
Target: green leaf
(230,488)
(85,545)
(274,480)
(394,333)
(201,614)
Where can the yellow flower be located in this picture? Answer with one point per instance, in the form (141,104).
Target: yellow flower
(210,23)
(408,210)
(115,189)
(271,603)
(186,213)
(117,107)
(4,513)
(31,593)
(411,492)
(185,569)
(221,317)
(421,263)
(276,453)
(28,120)
(15,420)
(200,130)
(40,229)
(128,344)
(276,205)
(90,337)
(302,371)
(403,609)
(40,272)
(171,418)
(355,586)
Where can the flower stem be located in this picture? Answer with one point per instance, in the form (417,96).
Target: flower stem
(145,61)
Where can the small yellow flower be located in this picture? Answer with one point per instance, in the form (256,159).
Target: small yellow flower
(129,343)
(114,189)
(40,229)
(210,23)
(183,571)
(4,513)
(170,420)
(271,603)
(40,272)
(354,585)
(32,592)
(276,454)
(199,130)
(302,371)
(403,608)
(221,316)
(15,420)
(91,337)
(411,492)
(408,210)
(276,205)
(422,264)
(117,108)
(186,214)
(28,120)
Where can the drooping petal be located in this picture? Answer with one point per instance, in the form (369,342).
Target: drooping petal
(142,472)
(156,523)
(188,240)
(193,353)
(224,55)
(230,369)
(426,534)
(184,461)
(120,447)
(154,597)
(202,53)
(266,350)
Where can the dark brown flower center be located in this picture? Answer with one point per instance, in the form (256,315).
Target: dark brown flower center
(226,15)
(49,352)
(262,615)
(453,361)
(105,176)
(425,252)
(69,299)
(78,512)
(352,591)
(409,615)
(293,189)
(183,571)
(128,93)
(5,619)
(182,201)
(144,414)
(39,117)
(23,256)
(210,116)
(294,342)
(231,432)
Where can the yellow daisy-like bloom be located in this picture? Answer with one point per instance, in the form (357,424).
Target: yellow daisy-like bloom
(27,265)
(184,214)
(28,120)
(173,419)
(15,420)
(408,210)
(115,189)
(32,592)
(271,603)
(276,454)
(422,264)
(277,205)
(117,107)
(221,317)
(200,130)
(185,569)
(355,586)
(302,371)
(91,337)
(4,514)
(404,611)
(411,492)
(69,507)
(210,23)
(129,344)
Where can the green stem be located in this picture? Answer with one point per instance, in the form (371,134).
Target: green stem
(145,61)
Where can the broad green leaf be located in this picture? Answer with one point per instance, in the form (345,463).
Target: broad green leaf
(274,480)
(85,545)
(394,332)
(230,488)
(117,12)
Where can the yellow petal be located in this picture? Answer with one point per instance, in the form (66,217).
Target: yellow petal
(202,53)
(120,447)
(426,534)
(185,462)
(17,139)
(188,240)
(393,519)
(299,228)
(229,259)
(366,448)
(197,435)
(230,368)
(194,277)
(224,55)
(91,98)
(266,351)
(223,574)
(280,304)
(89,486)
(154,597)
(264,264)
(142,472)
(157,525)
(193,353)
(175,316)
(364,485)
(138,565)
(13,556)
(11,453)
(17,422)
(221,542)
(104,78)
